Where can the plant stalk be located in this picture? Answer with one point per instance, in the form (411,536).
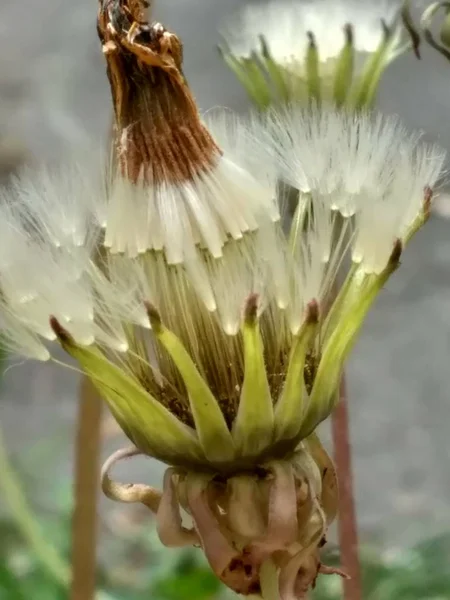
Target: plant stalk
(27,523)
(86,487)
(347,524)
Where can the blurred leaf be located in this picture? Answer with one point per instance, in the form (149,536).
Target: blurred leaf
(10,586)
(198,584)
(419,573)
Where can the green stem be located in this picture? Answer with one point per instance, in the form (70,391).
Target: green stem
(26,522)
(269,581)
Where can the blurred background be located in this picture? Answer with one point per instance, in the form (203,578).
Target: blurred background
(53,95)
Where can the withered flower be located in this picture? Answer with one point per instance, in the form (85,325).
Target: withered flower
(200,313)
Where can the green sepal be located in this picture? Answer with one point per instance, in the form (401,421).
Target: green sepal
(361,294)
(312,69)
(249,73)
(290,406)
(340,303)
(253,426)
(365,91)
(276,72)
(148,424)
(343,76)
(212,430)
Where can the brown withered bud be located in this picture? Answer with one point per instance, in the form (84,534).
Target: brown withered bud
(158,135)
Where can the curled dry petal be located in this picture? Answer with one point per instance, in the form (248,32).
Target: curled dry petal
(234,568)
(245,507)
(282,527)
(299,572)
(128,492)
(325,570)
(330,491)
(170,529)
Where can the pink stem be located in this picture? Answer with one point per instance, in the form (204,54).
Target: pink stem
(348,530)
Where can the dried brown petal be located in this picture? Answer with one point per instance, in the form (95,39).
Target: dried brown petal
(330,491)
(158,134)
(236,569)
(246,507)
(170,529)
(128,492)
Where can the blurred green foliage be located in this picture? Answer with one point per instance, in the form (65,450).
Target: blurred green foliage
(135,566)
(418,573)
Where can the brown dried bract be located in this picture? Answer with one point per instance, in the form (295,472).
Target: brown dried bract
(276,513)
(158,134)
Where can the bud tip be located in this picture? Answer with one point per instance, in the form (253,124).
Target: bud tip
(251,309)
(154,316)
(312,312)
(62,334)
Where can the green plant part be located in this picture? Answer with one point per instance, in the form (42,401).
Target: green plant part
(426,27)
(315,52)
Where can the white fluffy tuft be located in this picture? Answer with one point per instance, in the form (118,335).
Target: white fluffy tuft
(47,267)
(286,24)
(356,183)
(366,167)
(57,200)
(224,201)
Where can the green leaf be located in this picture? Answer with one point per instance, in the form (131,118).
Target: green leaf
(10,585)
(198,583)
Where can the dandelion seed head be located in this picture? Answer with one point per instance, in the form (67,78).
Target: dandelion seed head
(312,192)
(197,250)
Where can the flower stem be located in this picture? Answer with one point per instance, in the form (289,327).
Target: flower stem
(348,532)
(27,523)
(269,581)
(87,474)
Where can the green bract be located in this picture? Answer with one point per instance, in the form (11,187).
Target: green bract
(349,77)
(264,427)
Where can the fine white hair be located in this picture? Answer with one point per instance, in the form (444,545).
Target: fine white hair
(90,249)
(286,24)
(367,167)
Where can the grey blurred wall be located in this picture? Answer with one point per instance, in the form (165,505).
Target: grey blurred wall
(54,93)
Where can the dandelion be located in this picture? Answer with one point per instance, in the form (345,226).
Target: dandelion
(320,50)
(202,315)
